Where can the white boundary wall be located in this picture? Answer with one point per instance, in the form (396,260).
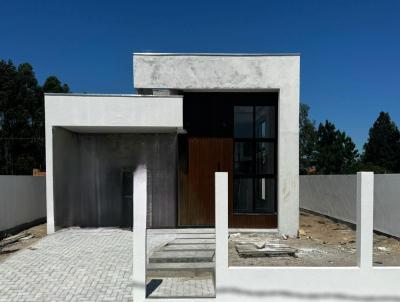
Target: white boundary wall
(360,283)
(22,200)
(335,195)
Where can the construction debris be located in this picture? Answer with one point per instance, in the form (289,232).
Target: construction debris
(13,239)
(267,250)
(302,232)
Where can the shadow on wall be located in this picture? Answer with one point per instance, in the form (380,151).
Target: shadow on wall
(292,295)
(304,296)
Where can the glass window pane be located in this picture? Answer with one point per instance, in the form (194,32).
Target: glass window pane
(243,157)
(243,122)
(265,195)
(265,122)
(265,155)
(243,195)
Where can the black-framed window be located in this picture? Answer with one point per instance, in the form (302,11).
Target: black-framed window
(255,158)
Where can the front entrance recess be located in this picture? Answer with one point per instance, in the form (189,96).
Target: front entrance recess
(234,133)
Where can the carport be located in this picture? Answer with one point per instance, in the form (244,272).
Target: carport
(93,177)
(93,145)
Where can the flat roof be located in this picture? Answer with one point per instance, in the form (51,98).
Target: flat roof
(216,54)
(113,95)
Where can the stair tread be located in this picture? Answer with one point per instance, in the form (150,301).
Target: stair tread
(189,247)
(182,256)
(181,266)
(195,236)
(191,241)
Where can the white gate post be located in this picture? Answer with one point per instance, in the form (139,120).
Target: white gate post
(221,227)
(139,232)
(365,219)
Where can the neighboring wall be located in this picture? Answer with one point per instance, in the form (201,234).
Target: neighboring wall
(22,200)
(335,196)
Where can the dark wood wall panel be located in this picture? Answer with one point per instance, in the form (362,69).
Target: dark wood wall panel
(205,157)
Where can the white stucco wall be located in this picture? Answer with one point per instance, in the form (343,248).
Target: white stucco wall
(105,114)
(241,73)
(335,196)
(124,111)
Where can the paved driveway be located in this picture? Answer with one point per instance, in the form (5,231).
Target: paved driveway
(71,265)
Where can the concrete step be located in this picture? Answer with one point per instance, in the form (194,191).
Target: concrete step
(182,231)
(192,241)
(189,247)
(181,270)
(195,236)
(161,270)
(181,256)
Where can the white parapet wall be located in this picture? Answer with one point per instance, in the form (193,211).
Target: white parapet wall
(22,200)
(335,196)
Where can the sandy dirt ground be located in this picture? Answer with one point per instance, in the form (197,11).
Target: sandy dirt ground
(36,233)
(321,242)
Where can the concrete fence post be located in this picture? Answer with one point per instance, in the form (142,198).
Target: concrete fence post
(139,233)
(221,227)
(365,219)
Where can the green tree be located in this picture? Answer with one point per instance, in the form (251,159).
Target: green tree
(335,151)
(383,145)
(307,140)
(22,145)
(53,84)
(19,98)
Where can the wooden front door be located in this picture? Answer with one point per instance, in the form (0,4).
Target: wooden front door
(197,186)
(205,157)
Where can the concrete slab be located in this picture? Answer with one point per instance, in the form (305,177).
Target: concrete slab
(192,241)
(189,247)
(181,256)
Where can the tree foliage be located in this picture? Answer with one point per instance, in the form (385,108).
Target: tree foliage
(22,118)
(383,146)
(335,151)
(53,84)
(331,151)
(308,138)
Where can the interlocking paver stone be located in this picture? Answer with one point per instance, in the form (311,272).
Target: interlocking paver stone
(71,265)
(83,265)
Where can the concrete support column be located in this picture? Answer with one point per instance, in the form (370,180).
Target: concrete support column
(49,180)
(365,219)
(139,232)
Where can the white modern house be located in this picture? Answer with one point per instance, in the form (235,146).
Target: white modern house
(194,114)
